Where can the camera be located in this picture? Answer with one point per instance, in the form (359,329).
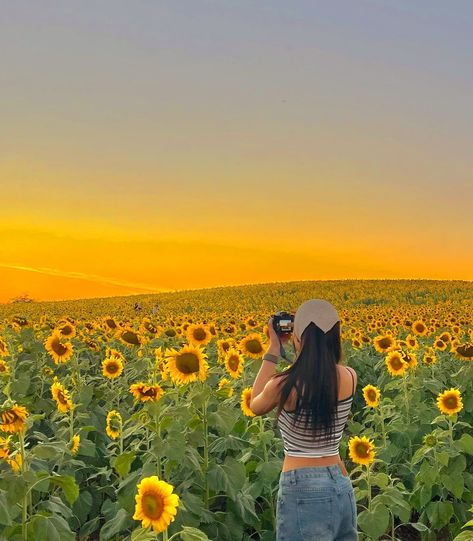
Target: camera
(283,322)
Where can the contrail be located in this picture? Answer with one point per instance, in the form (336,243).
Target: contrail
(83,276)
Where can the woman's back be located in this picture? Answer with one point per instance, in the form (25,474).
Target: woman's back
(301,441)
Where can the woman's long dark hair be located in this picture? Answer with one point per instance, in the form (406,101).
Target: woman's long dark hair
(314,375)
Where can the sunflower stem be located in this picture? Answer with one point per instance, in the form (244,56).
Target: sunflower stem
(71,423)
(368,468)
(450,430)
(158,434)
(206,452)
(383,428)
(406,397)
(24,508)
(265,455)
(165,535)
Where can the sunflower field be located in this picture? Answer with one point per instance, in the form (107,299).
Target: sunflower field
(126,424)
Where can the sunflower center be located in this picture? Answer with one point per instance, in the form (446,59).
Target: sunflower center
(150,392)
(112,367)
(254,346)
(372,395)
(61,398)
(58,348)
(199,334)
(396,363)
(362,450)
(385,342)
(187,363)
(450,402)
(152,505)
(234,362)
(130,337)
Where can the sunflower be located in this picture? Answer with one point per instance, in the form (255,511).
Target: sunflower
(145,392)
(112,368)
(411,342)
(61,396)
(252,346)
(419,328)
(450,401)
(356,342)
(3,348)
(4,447)
(15,462)
(429,356)
(250,322)
(430,440)
(225,385)
(114,424)
(59,351)
(245,402)
(14,419)
(445,337)
(464,351)
(223,345)
(4,368)
(129,337)
(234,362)
(440,344)
(67,330)
(384,343)
(395,363)
(156,504)
(198,334)
(147,326)
(361,450)
(371,395)
(75,444)
(187,364)
(109,323)
(409,358)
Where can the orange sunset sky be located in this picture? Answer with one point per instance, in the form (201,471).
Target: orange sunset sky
(176,145)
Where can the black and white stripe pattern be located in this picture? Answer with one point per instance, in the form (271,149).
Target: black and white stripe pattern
(301,442)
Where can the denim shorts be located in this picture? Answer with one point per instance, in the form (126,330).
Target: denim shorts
(316,504)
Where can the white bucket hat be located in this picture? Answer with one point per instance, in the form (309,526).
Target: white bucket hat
(321,312)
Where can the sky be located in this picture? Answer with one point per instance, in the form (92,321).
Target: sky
(163,145)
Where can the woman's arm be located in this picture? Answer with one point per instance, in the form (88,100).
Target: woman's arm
(266,372)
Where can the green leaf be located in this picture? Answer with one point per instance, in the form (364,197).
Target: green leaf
(419,526)
(115,526)
(193,503)
(53,528)
(229,477)
(453,483)
(439,513)
(443,458)
(464,536)
(141,534)
(374,523)
(122,463)
(193,534)
(380,480)
(68,485)
(5,518)
(48,450)
(465,443)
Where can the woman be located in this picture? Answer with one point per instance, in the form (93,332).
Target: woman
(313,398)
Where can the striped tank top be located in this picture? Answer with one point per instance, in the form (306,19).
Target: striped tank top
(299,441)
